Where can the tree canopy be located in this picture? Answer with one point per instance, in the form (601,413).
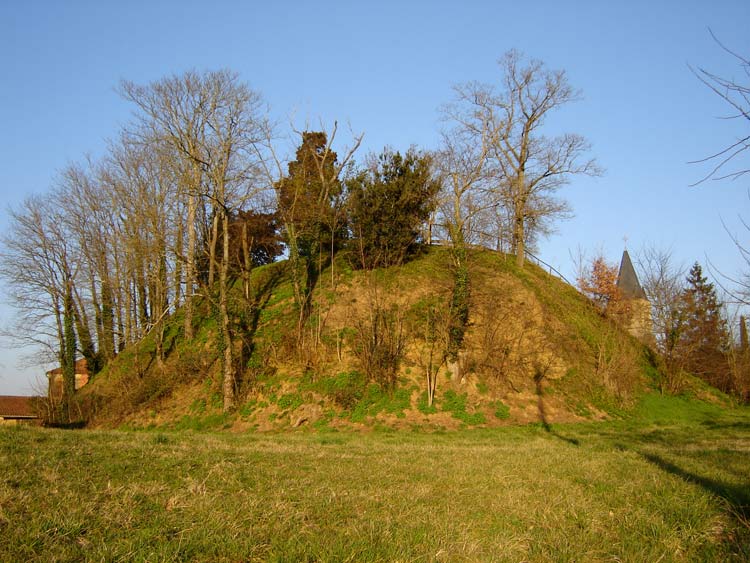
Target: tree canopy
(388,205)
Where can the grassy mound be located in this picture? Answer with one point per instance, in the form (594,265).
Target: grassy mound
(535,351)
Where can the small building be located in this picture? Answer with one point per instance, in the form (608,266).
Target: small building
(55,379)
(639,322)
(17,410)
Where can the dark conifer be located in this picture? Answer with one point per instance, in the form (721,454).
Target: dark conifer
(704,338)
(388,205)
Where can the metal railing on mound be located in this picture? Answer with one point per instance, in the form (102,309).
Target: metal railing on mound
(551,269)
(535,259)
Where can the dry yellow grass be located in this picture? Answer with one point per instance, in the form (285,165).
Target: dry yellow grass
(669,491)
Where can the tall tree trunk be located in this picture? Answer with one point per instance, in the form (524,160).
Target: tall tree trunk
(157,286)
(213,242)
(519,218)
(520,243)
(123,315)
(68,356)
(130,312)
(107,342)
(247,262)
(88,347)
(142,300)
(295,264)
(177,291)
(229,375)
(52,393)
(190,267)
(96,304)
(116,296)
(160,309)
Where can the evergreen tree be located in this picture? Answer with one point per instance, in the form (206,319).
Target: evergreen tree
(308,207)
(703,335)
(307,195)
(388,205)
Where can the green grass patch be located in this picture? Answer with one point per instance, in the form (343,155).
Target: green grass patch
(627,490)
(203,423)
(358,399)
(290,401)
(345,388)
(248,408)
(655,408)
(455,404)
(501,410)
(375,400)
(322,424)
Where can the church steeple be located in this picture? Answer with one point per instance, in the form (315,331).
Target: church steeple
(638,318)
(627,279)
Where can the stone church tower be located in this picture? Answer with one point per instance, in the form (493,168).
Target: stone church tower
(639,322)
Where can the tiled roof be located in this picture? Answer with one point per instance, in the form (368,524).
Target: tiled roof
(16,407)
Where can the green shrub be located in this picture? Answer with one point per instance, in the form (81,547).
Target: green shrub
(502,411)
(290,401)
(422,405)
(455,404)
(248,408)
(375,401)
(345,389)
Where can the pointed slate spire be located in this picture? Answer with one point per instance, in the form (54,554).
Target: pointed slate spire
(627,280)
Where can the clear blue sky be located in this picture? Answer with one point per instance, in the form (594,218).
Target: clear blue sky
(385,68)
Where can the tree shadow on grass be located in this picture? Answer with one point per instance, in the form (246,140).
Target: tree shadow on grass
(538,378)
(714,425)
(737,498)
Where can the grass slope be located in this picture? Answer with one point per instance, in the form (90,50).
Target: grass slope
(535,350)
(672,484)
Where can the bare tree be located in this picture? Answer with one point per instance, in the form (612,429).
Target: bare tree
(216,127)
(237,125)
(173,111)
(463,164)
(86,215)
(39,264)
(736,95)
(140,185)
(663,281)
(528,168)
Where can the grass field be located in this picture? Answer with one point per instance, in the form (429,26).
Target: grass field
(672,484)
